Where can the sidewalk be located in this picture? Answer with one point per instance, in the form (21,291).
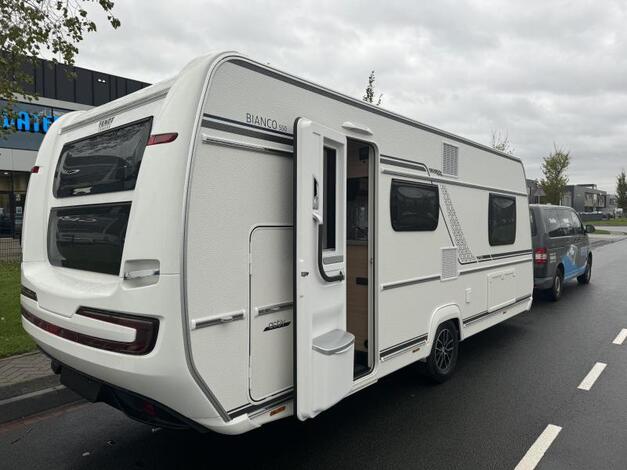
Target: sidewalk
(28,386)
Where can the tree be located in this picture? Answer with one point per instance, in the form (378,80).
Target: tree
(29,27)
(621,190)
(555,180)
(369,96)
(500,141)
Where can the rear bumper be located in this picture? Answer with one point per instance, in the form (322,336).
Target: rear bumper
(543,282)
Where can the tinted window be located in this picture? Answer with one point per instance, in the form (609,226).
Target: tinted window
(559,222)
(532,220)
(329,198)
(501,220)
(90,238)
(578,227)
(102,163)
(414,206)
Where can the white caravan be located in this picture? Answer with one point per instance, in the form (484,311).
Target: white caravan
(237,245)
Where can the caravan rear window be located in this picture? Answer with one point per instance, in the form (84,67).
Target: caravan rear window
(90,237)
(102,163)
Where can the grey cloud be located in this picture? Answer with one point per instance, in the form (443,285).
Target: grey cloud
(545,71)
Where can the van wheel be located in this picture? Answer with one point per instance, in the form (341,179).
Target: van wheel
(555,292)
(443,359)
(585,277)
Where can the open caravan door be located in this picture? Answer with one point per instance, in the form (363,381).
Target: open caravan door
(323,349)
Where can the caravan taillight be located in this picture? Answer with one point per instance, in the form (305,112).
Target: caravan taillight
(35,169)
(540,256)
(145,331)
(162,138)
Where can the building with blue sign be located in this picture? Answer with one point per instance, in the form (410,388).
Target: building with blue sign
(59,90)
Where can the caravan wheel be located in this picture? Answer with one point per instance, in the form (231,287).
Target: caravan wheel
(443,359)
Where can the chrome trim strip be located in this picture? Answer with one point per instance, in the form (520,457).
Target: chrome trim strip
(409,282)
(267,309)
(435,179)
(261,407)
(207,139)
(403,164)
(217,319)
(487,313)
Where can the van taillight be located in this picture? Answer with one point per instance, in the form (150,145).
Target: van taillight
(162,138)
(145,331)
(540,256)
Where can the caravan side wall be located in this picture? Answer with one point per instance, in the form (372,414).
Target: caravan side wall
(239,244)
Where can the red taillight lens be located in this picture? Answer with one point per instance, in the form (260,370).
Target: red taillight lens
(162,138)
(34,169)
(540,256)
(145,331)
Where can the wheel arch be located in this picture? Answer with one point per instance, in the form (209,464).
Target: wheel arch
(442,314)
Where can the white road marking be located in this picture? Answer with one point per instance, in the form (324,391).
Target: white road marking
(593,375)
(539,448)
(621,336)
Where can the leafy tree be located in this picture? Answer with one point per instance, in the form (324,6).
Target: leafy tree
(554,179)
(621,190)
(29,27)
(500,141)
(369,96)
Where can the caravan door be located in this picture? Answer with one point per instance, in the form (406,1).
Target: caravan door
(323,349)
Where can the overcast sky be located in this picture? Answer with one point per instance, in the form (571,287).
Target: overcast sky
(545,72)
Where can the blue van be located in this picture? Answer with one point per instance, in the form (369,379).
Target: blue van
(561,248)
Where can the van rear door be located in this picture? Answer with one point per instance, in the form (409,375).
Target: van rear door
(323,348)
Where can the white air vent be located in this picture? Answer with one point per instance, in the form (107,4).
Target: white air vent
(449,263)
(449,159)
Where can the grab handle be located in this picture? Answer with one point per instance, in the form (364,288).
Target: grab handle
(325,276)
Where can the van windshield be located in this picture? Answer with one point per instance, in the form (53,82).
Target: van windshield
(102,163)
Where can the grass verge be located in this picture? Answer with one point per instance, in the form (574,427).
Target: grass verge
(13,338)
(621,222)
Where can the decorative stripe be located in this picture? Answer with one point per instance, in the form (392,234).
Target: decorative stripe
(224,127)
(245,124)
(402,346)
(435,179)
(494,266)
(464,253)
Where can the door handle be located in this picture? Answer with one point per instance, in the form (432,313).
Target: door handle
(325,276)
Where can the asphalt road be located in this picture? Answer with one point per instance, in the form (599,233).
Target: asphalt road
(512,382)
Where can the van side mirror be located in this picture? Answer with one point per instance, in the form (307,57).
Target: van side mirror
(590,228)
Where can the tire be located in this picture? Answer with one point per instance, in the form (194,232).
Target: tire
(585,277)
(443,358)
(555,292)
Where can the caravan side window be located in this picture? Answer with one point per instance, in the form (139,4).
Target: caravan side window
(414,206)
(501,220)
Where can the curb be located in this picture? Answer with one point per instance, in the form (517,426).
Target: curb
(32,403)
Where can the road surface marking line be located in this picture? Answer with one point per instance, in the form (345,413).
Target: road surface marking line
(593,375)
(621,337)
(539,448)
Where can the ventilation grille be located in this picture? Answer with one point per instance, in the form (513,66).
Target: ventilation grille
(449,159)
(449,263)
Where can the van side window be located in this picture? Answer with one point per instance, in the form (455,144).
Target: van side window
(578,228)
(414,207)
(532,220)
(501,220)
